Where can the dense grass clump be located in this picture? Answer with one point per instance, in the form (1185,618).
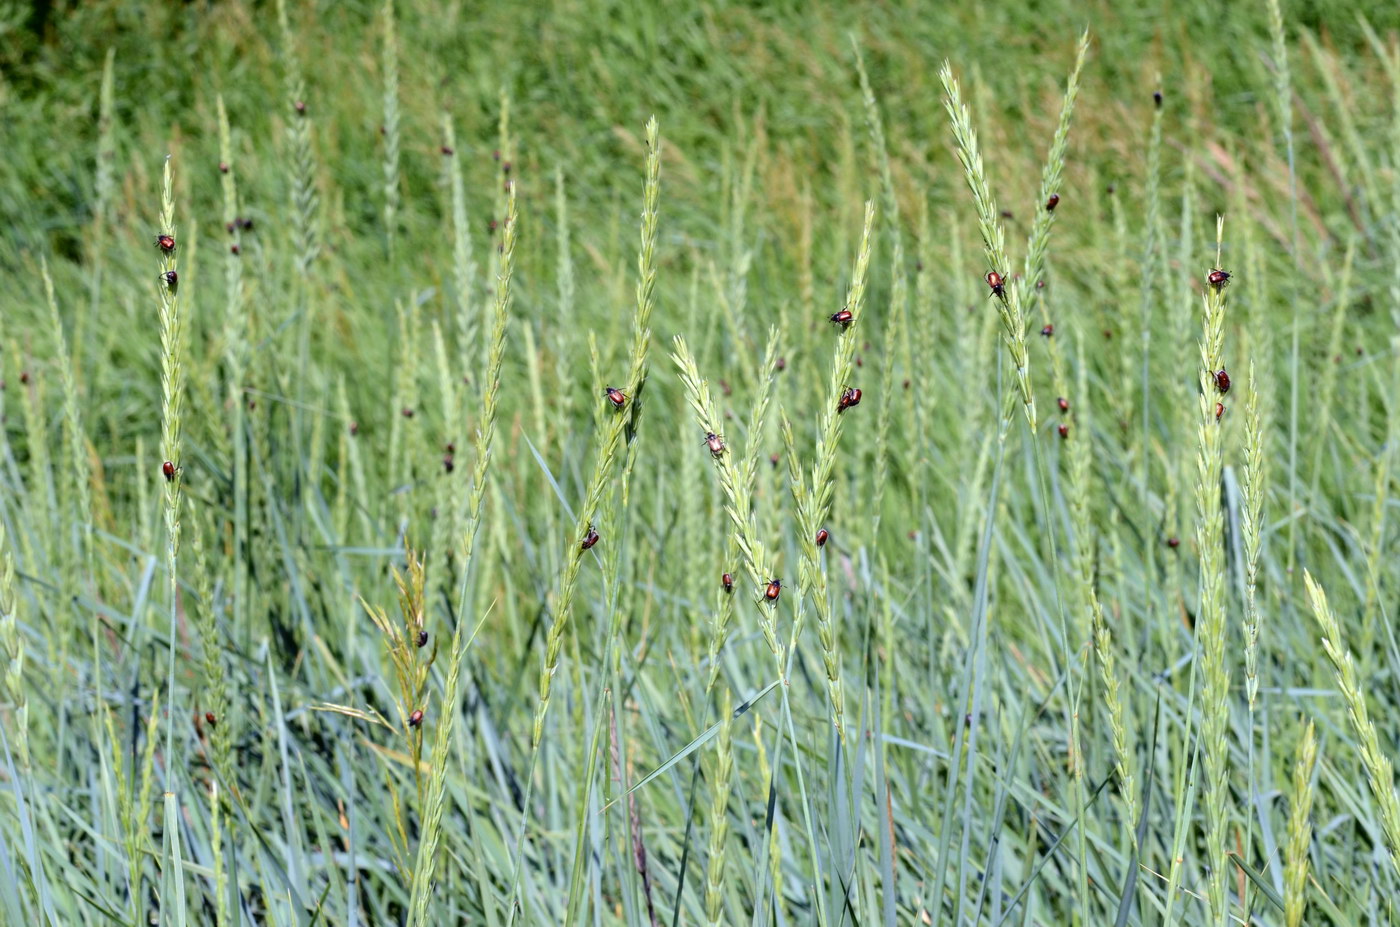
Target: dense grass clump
(699,464)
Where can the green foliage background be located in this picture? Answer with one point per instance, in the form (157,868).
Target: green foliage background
(1031,728)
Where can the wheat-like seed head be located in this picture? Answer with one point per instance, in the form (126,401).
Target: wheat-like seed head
(1295,870)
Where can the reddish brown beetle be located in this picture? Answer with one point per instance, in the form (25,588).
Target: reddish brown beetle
(715,443)
(169,469)
(1219,410)
(843,318)
(448,464)
(589,539)
(165,243)
(1222,380)
(1051,203)
(1063,429)
(616,396)
(416,719)
(422,638)
(1063,403)
(998,284)
(1173,542)
(773,590)
(1047,331)
(171,280)
(407,412)
(822,537)
(851,397)
(1218,278)
(354,429)
(727,580)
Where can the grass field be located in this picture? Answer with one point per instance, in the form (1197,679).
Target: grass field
(478,511)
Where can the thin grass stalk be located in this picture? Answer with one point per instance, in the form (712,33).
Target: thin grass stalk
(1252,528)
(896,324)
(620,425)
(1283,100)
(1009,300)
(76,493)
(41,494)
(1385,456)
(12,643)
(426,861)
(745,490)
(1080,475)
(213,683)
(736,484)
(102,187)
(172,396)
(814,496)
(1380,770)
(1327,387)
(1178,407)
(305,203)
(236,350)
(1210,620)
(464,268)
(719,814)
(1051,182)
(1300,801)
(564,273)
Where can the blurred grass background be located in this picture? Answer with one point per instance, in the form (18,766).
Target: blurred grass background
(1007,754)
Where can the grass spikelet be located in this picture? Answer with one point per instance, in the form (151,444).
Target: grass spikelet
(213,688)
(425,863)
(1080,454)
(172,397)
(813,497)
(75,489)
(390,63)
(1252,529)
(1295,870)
(736,485)
(1380,771)
(1009,302)
(464,268)
(719,814)
(619,426)
(301,166)
(12,642)
(1210,620)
